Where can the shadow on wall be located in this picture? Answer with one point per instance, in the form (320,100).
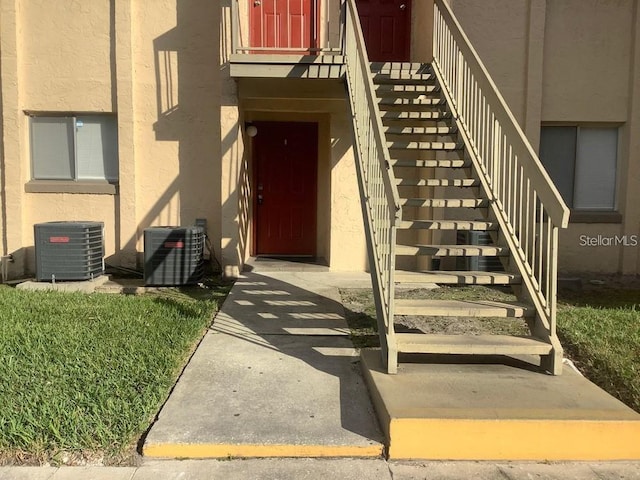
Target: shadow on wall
(189,71)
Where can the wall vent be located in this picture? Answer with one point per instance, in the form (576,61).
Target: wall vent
(69,250)
(173,255)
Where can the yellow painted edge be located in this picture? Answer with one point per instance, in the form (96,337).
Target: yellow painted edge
(466,439)
(170,450)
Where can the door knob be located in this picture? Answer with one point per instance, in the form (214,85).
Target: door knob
(260,199)
(403,7)
(257,3)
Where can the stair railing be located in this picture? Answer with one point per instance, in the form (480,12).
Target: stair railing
(378,192)
(526,203)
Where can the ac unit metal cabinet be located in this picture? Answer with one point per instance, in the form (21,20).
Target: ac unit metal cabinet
(173,255)
(477,263)
(69,250)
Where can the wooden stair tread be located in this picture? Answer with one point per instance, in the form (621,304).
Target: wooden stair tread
(437,182)
(460,308)
(390,89)
(404,163)
(413,66)
(403,101)
(420,130)
(471,344)
(452,250)
(448,225)
(425,146)
(414,115)
(457,277)
(402,76)
(445,202)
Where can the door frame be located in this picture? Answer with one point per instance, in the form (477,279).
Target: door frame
(254,185)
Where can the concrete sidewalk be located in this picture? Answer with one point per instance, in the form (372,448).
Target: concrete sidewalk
(276,376)
(329,469)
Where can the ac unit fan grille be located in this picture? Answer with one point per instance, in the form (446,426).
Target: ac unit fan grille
(69,250)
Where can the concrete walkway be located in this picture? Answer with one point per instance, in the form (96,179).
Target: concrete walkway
(276,376)
(329,469)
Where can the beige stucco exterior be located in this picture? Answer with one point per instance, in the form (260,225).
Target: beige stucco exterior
(570,61)
(163,68)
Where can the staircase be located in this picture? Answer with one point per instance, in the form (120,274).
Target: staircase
(440,196)
(440,156)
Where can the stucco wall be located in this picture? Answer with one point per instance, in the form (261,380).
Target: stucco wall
(569,61)
(177,105)
(66,55)
(587,47)
(62,57)
(498,30)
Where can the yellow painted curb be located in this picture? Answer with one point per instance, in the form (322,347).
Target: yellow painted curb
(506,439)
(169,450)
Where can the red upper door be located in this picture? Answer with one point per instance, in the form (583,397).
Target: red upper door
(285,171)
(386,26)
(280,24)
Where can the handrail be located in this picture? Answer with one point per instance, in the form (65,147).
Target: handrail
(525,201)
(381,202)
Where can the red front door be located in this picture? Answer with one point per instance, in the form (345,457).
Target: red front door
(386,26)
(285,170)
(280,24)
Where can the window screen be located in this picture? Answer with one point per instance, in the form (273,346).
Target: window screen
(52,148)
(97,148)
(596,169)
(558,155)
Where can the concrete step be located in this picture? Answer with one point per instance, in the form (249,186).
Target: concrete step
(402,77)
(446,146)
(400,130)
(452,250)
(447,225)
(413,102)
(445,202)
(461,308)
(437,182)
(471,344)
(456,278)
(505,410)
(414,115)
(430,163)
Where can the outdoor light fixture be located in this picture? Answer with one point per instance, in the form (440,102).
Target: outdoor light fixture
(252,130)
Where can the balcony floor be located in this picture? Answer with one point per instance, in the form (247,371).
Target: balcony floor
(286,66)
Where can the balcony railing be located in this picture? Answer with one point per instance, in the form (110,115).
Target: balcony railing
(287,27)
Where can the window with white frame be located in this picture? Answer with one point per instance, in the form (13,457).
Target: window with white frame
(75,147)
(582,162)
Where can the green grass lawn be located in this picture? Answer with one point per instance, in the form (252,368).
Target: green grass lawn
(599,328)
(84,375)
